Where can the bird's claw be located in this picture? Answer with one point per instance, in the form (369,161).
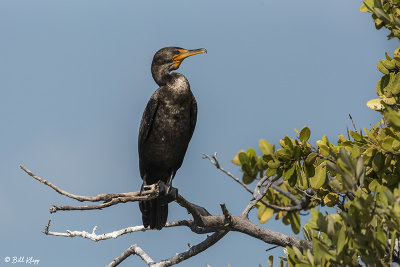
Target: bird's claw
(167,193)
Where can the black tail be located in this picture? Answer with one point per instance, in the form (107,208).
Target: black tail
(154,213)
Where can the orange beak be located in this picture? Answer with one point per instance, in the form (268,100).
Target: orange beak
(183,53)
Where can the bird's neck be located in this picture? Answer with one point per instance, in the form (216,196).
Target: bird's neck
(161,74)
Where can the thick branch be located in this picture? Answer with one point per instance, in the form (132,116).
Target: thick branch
(203,222)
(196,211)
(243,225)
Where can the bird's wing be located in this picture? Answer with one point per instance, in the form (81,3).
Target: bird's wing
(193,115)
(147,119)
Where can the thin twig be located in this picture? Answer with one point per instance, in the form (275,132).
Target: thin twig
(214,160)
(354,125)
(194,250)
(257,194)
(149,192)
(148,195)
(271,248)
(132,250)
(115,234)
(286,194)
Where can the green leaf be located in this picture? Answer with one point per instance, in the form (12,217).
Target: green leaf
(382,84)
(393,117)
(380,13)
(356,136)
(396,145)
(375,104)
(360,171)
(261,209)
(274,164)
(311,158)
(380,235)
(310,257)
(271,260)
(235,160)
(389,100)
(266,148)
(331,199)
(382,68)
(288,142)
(251,152)
(392,241)
(387,143)
(388,64)
(246,169)
(287,173)
(341,240)
(266,215)
(373,186)
(243,158)
(294,219)
(395,83)
(283,154)
(378,162)
(293,180)
(324,150)
(319,179)
(369,4)
(247,179)
(302,180)
(298,253)
(305,134)
(364,8)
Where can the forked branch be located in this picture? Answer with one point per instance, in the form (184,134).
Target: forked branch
(203,222)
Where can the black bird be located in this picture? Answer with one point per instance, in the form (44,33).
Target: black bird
(166,128)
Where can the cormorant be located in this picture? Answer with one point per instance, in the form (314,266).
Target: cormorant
(166,128)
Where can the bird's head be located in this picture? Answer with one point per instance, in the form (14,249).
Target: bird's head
(172,57)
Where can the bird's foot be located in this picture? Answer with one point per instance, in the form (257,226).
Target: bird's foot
(141,190)
(167,193)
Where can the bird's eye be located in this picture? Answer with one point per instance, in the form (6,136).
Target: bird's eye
(176,52)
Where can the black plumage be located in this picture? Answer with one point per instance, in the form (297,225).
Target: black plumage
(166,128)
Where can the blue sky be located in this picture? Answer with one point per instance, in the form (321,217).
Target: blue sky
(75,79)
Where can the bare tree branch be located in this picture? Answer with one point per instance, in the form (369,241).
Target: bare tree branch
(115,234)
(214,161)
(299,204)
(148,190)
(203,222)
(257,194)
(132,250)
(194,250)
(286,194)
(148,194)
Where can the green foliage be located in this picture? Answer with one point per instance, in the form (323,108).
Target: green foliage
(385,13)
(359,176)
